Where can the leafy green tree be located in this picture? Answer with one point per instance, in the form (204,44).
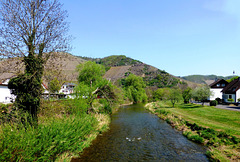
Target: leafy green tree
(134,88)
(90,79)
(175,96)
(54,86)
(92,84)
(90,73)
(32,30)
(161,94)
(187,94)
(201,93)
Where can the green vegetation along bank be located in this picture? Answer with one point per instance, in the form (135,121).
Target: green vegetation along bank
(217,129)
(64,130)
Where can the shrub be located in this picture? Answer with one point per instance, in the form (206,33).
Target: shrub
(230,100)
(213,103)
(219,100)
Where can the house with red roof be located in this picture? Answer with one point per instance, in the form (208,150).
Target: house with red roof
(232,91)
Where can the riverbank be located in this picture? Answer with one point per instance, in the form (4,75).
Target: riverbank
(217,129)
(64,130)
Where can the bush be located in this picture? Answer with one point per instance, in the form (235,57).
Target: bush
(213,103)
(219,100)
(230,100)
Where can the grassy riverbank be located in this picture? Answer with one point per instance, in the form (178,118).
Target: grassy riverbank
(216,128)
(64,130)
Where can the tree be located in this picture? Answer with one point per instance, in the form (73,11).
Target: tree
(54,86)
(92,84)
(201,93)
(175,96)
(162,94)
(187,94)
(90,73)
(33,30)
(134,88)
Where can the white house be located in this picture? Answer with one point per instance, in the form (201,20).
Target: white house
(5,93)
(232,91)
(67,89)
(217,87)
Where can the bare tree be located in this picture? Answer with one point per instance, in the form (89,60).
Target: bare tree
(33,30)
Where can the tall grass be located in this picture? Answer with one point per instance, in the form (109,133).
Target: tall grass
(63,127)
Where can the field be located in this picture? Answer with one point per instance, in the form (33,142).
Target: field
(211,117)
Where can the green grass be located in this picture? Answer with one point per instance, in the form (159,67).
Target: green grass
(64,130)
(218,119)
(47,141)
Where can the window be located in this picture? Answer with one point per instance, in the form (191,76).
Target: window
(223,85)
(218,85)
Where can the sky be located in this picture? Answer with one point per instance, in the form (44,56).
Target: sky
(182,37)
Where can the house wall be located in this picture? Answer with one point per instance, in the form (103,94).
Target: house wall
(227,96)
(237,95)
(5,94)
(216,93)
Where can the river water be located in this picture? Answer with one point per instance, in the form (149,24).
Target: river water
(137,135)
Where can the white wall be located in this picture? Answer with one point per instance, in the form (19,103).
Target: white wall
(5,94)
(216,93)
(237,95)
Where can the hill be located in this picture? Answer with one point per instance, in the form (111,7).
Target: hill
(205,79)
(118,67)
(60,65)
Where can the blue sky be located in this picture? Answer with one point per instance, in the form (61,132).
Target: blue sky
(182,37)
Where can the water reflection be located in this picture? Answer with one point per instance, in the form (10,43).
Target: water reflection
(137,135)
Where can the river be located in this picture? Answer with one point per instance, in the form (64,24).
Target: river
(137,135)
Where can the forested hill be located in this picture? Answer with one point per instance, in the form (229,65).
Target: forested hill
(204,79)
(119,66)
(114,60)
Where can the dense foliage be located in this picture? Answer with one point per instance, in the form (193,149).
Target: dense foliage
(134,89)
(114,60)
(92,85)
(54,86)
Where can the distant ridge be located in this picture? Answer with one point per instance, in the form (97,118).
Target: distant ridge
(205,79)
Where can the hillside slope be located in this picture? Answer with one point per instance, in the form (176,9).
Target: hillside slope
(120,66)
(60,65)
(63,65)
